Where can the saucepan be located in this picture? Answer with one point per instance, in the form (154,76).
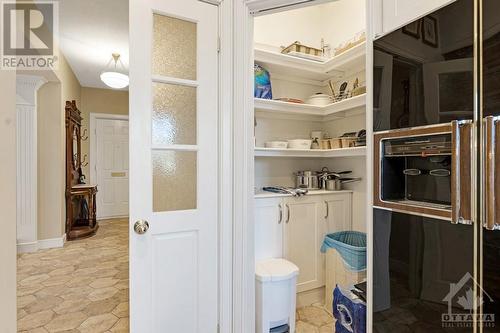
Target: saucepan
(335,184)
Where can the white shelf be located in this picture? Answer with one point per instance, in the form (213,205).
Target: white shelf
(317,153)
(349,60)
(339,108)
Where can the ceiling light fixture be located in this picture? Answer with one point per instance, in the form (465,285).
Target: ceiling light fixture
(111,76)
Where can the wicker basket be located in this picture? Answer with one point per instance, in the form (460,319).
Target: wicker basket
(348,142)
(335,143)
(297,47)
(324,144)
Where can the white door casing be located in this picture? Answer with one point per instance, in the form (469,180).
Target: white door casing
(111,167)
(382,71)
(173,276)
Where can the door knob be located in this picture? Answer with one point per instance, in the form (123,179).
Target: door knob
(141,226)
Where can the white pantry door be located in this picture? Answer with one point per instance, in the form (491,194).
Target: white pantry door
(173,166)
(112,167)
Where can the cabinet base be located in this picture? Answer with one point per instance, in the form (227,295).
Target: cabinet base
(82,232)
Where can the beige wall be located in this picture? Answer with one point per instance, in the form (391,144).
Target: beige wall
(95,100)
(8,202)
(51,147)
(52,141)
(50,182)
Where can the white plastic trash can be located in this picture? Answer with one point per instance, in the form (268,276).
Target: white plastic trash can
(275,294)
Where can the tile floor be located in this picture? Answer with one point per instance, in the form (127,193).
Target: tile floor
(313,319)
(82,287)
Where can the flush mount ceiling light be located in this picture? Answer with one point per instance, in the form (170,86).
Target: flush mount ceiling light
(111,76)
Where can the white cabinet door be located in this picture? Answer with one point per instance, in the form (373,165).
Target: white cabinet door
(304,230)
(268,228)
(397,13)
(338,212)
(173,166)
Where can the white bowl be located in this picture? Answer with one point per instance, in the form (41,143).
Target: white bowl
(276,144)
(299,144)
(319,100)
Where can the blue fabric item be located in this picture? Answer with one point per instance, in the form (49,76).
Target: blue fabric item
(350,313)
(351,245)
(262,83)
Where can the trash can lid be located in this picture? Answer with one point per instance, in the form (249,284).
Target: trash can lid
(275,270)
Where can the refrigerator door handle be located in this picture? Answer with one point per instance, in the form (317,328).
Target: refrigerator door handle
(455,179)
(461,179)
(489,174)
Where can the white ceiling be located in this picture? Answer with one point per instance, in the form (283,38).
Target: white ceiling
(89,31)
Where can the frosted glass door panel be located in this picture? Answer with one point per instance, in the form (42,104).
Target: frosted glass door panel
(174,114)
(174,180)
(174,47)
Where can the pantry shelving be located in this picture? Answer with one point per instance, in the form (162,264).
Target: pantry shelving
(338,108)
(311,153)
(336,66)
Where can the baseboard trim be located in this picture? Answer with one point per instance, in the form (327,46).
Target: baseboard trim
(41,244)
(103,219)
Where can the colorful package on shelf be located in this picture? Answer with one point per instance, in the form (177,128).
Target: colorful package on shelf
(262,83)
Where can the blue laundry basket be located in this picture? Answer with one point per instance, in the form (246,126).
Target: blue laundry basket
(351,245)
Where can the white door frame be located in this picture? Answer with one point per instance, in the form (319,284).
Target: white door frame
(243,157)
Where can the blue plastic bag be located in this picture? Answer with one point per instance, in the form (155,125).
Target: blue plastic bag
(262,86)
(349,311)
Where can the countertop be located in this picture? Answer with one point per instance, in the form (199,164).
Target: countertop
(264,194)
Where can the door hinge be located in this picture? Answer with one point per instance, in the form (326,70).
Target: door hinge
(218,44)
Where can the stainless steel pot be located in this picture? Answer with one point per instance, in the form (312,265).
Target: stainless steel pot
(307,179)
(336,183)
(333,184)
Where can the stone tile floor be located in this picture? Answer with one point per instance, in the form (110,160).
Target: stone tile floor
(314,319)
(82,287)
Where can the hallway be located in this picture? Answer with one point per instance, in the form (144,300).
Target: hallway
(82,287)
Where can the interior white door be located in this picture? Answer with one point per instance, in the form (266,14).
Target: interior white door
(112,167)
(173,166)
(439,102)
